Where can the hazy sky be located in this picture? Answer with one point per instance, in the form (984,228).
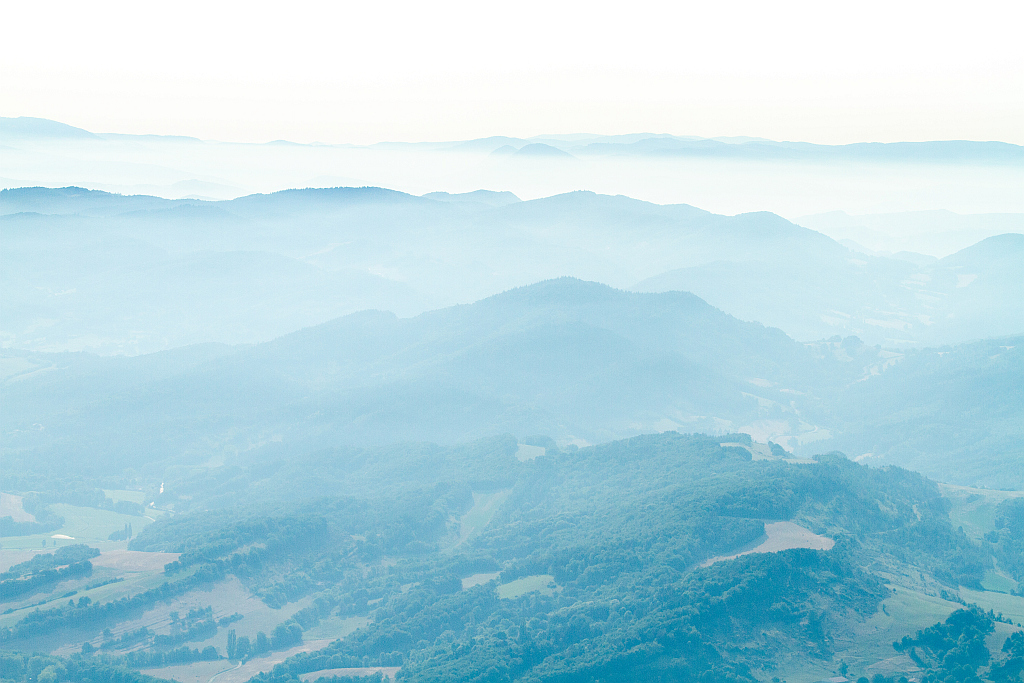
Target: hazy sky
(372,71)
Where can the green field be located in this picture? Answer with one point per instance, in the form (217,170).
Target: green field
(131,583)
(480,515)
(998,582)
(335,627)
(867,648)
(975,509)
(83,525)
(542,583)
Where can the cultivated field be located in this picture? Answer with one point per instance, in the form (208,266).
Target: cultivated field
(115,574)
(975,509)
(479,579)
(10,506)
(82,525)
(480,515)
(542,583)
(781,536)
(224,672)
(134,560)
(387,671)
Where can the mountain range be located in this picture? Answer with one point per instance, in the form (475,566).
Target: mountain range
(574,361)
(89,270)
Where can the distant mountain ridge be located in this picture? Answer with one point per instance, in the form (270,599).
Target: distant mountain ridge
(127,263)
(24,127)
(938,232)
(574,360)
(638,144)
(571,358)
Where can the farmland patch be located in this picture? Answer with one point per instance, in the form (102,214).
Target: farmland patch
(388,672)
(188,673)
(480,515)
(10,506)
(541,583)
(781,536)
(479,579)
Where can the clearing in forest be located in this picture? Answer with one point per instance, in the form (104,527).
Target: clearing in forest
(542,583)
(524,452)
(479,516)
(134,560)
(781,536)
(10,506)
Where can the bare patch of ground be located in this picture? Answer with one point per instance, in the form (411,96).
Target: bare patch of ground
(478,579)
(134,560)
(525,452)
(781,536)
(9,558)
(10,506)
(894,666)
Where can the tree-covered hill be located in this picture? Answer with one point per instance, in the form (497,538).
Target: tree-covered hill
(565,357)
(577,361)
(619,529)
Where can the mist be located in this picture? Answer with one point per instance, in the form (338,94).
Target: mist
(557,408)
(794,180)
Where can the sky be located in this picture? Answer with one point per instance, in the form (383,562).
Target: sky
(373,71)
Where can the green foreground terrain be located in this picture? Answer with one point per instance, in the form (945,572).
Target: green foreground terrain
(477,563)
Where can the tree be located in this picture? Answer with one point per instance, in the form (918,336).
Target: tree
(242,648)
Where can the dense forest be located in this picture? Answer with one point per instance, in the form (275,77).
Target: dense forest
(612,538)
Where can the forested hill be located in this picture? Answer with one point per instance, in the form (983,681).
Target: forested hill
(577,361)
(566,358)
(596,558)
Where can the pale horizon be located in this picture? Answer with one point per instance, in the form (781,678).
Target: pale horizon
(533,342)
(499,134)
(404,72)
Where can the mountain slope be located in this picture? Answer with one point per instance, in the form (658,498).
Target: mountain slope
(952,413)
(577,361)
(573,359)
(972,293)
(344,249)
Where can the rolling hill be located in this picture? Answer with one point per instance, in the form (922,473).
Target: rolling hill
(87,270)
(577,361)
